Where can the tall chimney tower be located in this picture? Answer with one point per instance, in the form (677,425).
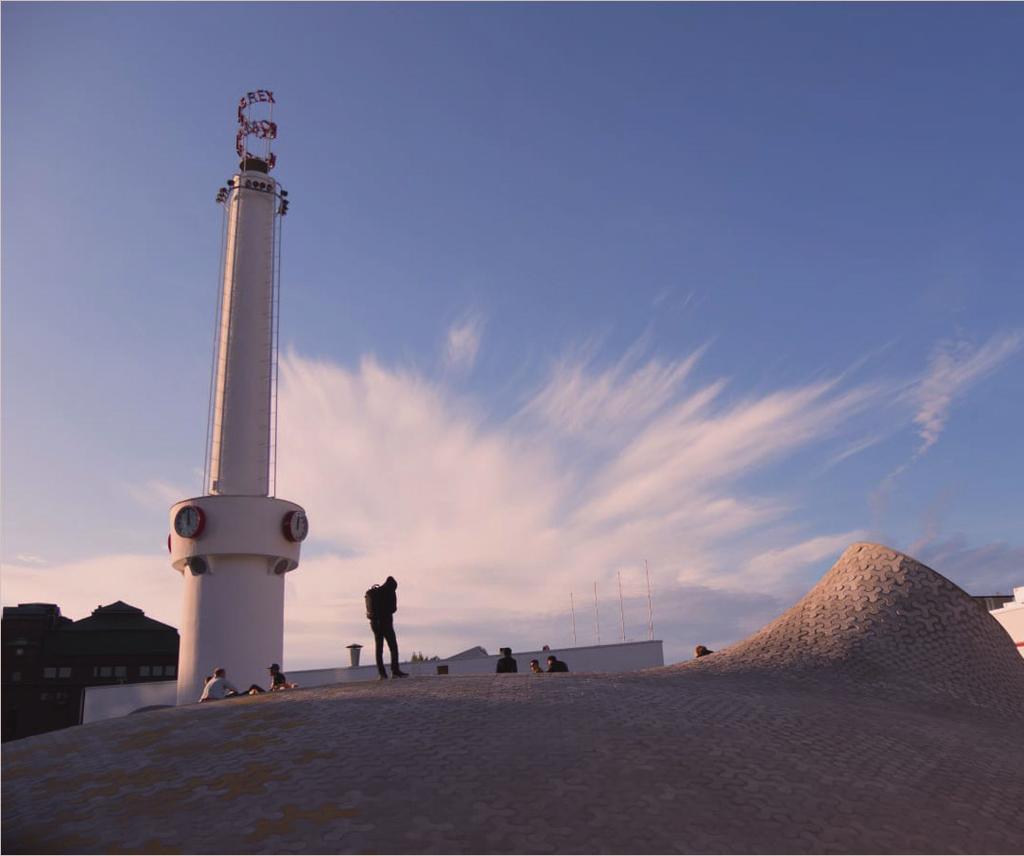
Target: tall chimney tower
(234,544)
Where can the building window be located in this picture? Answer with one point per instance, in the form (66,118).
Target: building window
(158,671)
(101,671)
(15,677)
(44,696)
(49,672)
(19,652)
(143,671)
(120,671)
(64,672)
(169,671)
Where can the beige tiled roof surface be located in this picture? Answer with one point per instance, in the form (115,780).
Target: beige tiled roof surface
(883,713)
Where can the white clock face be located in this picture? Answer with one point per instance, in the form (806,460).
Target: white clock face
(296,525)
(189,521)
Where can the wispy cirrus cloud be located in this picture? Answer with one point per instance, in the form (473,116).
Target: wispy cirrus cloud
(855,448)
(462,343)
(157,494)
(500,522)
(29,559)
(954,367)
(577,400)
(980,569)
(766,569)
(490,525)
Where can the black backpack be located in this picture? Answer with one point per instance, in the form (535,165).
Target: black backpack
(373,601)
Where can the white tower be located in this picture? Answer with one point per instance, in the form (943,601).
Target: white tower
(234,544)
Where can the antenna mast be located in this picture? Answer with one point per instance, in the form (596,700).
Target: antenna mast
(622,611)
(572,611)
(650,608)
(597,614)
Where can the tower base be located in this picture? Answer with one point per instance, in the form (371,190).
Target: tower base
(233,618)
(233,570)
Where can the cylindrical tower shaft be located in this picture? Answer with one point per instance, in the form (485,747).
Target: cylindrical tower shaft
(240,442)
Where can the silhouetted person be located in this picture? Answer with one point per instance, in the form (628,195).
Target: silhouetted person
(507,663)
(535,667)
(556,665)
(381,606)
(701,651)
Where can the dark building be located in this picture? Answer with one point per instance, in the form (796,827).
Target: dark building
(49,660)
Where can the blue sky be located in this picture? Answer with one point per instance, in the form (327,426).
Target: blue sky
(564,288)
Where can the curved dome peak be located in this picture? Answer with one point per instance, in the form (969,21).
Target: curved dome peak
(880,616)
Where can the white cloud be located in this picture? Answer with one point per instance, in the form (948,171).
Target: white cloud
(156,494)
(145,580)
(953,368)
(767,569)
(491,526)
(983,569)
(577,401)
(854,448)
(29,559)
(463,343)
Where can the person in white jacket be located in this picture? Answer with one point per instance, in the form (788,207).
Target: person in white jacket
(218,687)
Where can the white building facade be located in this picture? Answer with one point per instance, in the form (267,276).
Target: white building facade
(1011,616)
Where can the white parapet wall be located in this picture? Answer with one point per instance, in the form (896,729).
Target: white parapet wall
(123,699)
(1011,616)
(619,657)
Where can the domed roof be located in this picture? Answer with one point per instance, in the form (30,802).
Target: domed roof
(881,714)
(881,618)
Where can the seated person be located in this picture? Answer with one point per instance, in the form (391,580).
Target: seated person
(556,665)
(218,687)
(701,651)
(535,667)
(278,679)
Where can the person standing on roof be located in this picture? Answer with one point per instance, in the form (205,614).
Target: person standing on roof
(507,663)
(381,606)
